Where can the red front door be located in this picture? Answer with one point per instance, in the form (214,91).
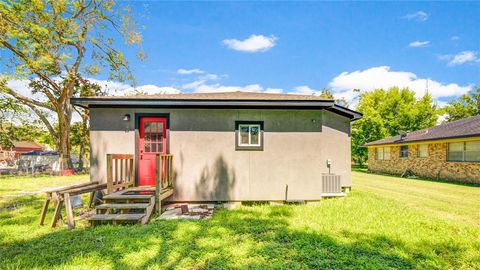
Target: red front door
(152,141)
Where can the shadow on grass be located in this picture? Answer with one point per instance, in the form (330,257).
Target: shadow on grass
(241,238)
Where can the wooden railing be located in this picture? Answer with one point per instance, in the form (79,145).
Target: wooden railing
(120,171)
(164,174)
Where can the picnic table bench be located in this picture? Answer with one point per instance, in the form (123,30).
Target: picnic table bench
(120,175)
(61,196)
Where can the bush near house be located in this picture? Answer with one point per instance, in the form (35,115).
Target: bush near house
(385,223)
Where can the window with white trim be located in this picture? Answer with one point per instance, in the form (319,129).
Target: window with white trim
(422,150)
(382,153)
(464,151)
(386,153)
(249,135)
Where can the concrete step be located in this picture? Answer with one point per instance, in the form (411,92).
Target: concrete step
(117,217)
(123,206)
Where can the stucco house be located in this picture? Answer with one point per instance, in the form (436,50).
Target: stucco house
(448,151)
(234,146)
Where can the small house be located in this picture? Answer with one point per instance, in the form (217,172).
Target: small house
(21,147)
(448,151)
(233,146)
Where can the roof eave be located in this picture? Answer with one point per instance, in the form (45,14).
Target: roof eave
(88,102)
(182,103)
(353,115)
(421,140)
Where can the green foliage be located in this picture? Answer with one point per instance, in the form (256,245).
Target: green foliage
(326,93)
(465,106)
(25,131)
(384,223)
(385,113)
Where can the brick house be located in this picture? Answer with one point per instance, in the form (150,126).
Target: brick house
(448,151)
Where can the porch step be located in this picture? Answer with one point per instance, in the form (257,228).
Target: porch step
(115,196)
(123,206)
(115,217)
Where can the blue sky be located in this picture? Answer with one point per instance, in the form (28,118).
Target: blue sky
(301,47)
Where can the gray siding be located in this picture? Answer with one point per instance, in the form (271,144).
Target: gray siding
(207,166)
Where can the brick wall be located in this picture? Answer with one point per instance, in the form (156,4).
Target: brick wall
(434,166)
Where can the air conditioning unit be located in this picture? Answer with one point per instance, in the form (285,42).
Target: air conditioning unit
(331,183)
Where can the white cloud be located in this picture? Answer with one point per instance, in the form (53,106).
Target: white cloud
(254,43)
(455,38)
(150,89)
(382,77)
(204,84)
(420,16)
(182,71)
(304,90)
(418,43)
(460,58)
(204,87)
(110,87)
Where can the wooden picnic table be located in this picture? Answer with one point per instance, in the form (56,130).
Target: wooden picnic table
(62,195)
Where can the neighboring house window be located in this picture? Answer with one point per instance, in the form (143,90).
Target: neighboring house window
(382,153)
(422,150)
(464,151)
(379,153)
(404,151)
(386,153)
(249,135)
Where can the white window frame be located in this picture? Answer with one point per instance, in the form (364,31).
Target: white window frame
(464,152)
(249,134)
(419,152)
(382,150)
(389,153)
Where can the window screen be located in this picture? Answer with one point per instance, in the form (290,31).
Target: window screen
(404,151)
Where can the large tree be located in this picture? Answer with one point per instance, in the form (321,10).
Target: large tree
(465,106)
(55,45)
(385,113)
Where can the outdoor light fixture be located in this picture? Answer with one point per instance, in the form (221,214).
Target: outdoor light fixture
(126,117)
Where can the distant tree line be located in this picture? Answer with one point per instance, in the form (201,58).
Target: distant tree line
(386,112)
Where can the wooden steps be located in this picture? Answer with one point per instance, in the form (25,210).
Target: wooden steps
(123,206)
(115,196)
(122,217)
(116,218)
(134,205)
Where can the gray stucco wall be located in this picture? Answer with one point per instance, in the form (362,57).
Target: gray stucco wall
(207,166)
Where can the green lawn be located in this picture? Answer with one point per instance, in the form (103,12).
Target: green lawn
(385,222)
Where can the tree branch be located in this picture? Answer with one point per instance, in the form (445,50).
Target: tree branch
(28,62)
(26,100)
(45,121)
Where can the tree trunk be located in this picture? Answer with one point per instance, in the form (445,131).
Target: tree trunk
(64,147)
(81,157)
(84,132)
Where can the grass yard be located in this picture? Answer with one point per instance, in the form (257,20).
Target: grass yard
(384,223)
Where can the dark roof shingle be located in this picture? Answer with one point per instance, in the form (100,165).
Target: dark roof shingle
(468,127)
(219,96)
